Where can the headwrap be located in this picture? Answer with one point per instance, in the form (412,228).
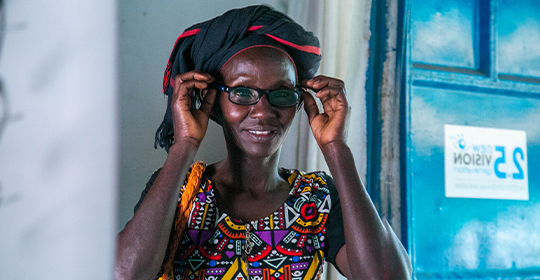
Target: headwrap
(207,46)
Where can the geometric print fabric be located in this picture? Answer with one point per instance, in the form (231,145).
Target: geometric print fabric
(290,244)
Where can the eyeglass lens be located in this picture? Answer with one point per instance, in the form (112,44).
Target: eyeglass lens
(248,96)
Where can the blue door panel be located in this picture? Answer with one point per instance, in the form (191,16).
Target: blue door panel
(457,238)
(518,33)
(444,33)
(470,63)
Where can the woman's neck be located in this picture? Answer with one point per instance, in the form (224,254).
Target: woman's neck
(255,175)
(248,188)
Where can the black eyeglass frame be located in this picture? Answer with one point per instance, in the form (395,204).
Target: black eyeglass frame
(260,92)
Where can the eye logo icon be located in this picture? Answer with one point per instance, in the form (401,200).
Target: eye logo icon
(460,143)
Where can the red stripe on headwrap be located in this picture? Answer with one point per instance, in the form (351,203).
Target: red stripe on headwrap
(253,28)
(308,49)
(166,80)
(168,68)
(189,33)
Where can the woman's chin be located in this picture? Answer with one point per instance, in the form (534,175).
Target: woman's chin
(257,146)
(261,152)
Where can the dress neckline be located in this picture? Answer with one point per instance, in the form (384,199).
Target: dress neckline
(292,191)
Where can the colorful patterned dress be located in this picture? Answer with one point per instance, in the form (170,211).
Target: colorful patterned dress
(292,243)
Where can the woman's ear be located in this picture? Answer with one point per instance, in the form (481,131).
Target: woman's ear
(216,114)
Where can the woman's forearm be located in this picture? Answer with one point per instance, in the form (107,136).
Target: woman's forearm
(373,251)
(142,244)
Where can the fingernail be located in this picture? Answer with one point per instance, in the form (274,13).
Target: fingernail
(203,93)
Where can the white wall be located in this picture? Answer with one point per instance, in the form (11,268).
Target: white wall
(148,30)
(58,150)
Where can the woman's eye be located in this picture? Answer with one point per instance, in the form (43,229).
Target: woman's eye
(281,93)
(243,92)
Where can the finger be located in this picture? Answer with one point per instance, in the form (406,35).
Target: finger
(195,75)
(177,92)
(337,98)
(338,102)
(325,99)
(187,88)
(314,84)
(310,106)
(329,106)
(183,91)
(321,81)
(329,91)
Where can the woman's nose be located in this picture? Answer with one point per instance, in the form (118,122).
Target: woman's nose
(262,109)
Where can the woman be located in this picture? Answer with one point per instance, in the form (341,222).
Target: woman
(251,219)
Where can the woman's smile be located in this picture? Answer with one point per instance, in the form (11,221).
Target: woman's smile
(262,133)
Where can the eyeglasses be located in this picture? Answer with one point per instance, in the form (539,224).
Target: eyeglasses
(250,96)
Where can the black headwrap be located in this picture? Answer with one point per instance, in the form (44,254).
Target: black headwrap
(207,46)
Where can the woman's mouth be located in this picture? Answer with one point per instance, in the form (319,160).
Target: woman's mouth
(261,135)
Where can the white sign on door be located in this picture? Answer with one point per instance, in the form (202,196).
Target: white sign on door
(484,162)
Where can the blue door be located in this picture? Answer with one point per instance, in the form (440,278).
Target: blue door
(472,133)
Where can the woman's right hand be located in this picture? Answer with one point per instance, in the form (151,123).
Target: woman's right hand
(188,123)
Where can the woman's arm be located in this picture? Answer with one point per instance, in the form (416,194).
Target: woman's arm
(141,245)
(371,250)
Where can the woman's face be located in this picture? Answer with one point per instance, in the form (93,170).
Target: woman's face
(257,130)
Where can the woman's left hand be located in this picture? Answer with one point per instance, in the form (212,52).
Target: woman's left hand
(331,124)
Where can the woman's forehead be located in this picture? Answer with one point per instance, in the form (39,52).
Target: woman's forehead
(270,65)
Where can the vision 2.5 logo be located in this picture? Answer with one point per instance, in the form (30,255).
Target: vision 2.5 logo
(470,154)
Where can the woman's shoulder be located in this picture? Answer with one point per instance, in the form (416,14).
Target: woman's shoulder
(205,182)
(313,178)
